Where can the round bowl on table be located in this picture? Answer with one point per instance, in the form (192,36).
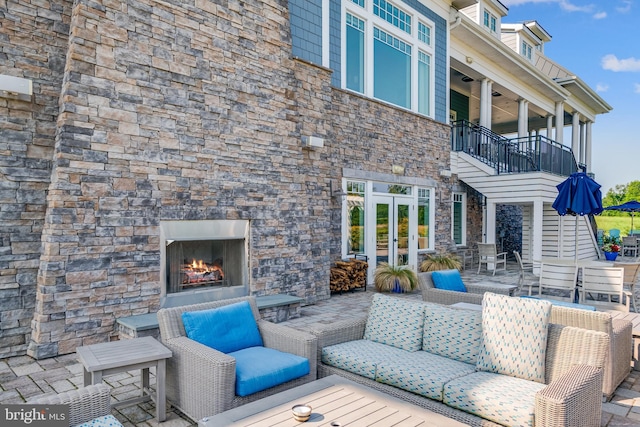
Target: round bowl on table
(301,412)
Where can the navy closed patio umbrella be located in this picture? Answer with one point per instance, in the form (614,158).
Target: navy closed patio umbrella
(580,195)
(632,206)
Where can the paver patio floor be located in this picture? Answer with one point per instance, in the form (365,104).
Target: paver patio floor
(22,378)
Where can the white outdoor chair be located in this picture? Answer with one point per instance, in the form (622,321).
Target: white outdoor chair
(631,270)
(489,256)
(608,281)
(558,277)
(630,245)
(523,266)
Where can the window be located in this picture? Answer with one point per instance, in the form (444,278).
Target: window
(459,220)
(490,21)
(392,69)
(424,196)
(388,54)
(355,59)
(525,50)
(355,217)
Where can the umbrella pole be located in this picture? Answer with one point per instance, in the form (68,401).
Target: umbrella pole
(575,250)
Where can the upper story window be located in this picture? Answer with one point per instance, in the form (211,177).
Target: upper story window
(359,2)
(388,54)
(525,50)
(490,21)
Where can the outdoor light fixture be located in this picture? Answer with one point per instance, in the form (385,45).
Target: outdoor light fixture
(466,79)
(15,85)
(312,141)
(496,94)
(337,192)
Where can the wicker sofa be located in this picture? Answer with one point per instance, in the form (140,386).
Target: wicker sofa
(88,403)
(440,373)
(618,360)
(442,296)
(201,381)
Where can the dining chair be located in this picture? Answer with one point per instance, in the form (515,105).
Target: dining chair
(629,244)
(631,270)
(607,281)
(523,267)
(489,256)
(614,232)
(558,278)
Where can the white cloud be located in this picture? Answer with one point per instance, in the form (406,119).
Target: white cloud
(626,6)
(612,63)
(636,87)
(570,7)
(602,87)
(600,15)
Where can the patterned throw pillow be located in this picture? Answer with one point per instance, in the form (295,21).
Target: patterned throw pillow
(395,322)
(514,336)
(452,333)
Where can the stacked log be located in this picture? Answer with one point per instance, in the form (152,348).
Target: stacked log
(348,275)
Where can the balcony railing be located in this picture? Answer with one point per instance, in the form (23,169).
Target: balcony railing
(516,155)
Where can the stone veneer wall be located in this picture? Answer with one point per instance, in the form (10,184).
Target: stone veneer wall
(191,110)
(33,44)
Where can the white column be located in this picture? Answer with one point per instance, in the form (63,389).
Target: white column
(583,154)
(559,121)
(523,118)
(489,104)
(491,222)
(549,126)
(575,135)
(485,103)
(326,51)
(587,145)
(536,230)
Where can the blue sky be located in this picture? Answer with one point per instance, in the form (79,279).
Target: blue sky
(598,40)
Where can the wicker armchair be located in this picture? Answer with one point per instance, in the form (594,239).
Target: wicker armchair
(85,404)
(201,381)
(440,296)
(618,359)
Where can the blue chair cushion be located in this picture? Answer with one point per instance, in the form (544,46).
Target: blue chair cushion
(228,328)
(260,368)
(449,280)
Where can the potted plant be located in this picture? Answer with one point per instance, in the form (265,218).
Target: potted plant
(444,261)
(611,247)
(394,278)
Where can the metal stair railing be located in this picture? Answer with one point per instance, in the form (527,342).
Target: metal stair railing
(515,155)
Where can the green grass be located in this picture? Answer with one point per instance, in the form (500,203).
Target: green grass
(622,223)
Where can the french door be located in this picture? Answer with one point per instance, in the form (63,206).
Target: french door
(394,230)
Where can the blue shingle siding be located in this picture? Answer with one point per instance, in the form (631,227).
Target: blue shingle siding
(334,37)
(306,29)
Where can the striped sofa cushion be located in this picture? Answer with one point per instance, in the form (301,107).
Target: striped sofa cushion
(396,322)
(505,400)
(452,333)
(514,336)
(421,373)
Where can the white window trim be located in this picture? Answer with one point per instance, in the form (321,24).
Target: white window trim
(463,219)
(371,20)
(432,217)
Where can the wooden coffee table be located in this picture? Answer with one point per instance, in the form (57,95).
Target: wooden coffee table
(335,401)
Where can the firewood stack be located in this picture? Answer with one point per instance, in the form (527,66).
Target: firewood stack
(348,275)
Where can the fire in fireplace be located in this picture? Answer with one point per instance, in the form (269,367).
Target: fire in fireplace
(204,255)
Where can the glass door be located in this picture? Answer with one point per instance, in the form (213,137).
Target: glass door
(392,230)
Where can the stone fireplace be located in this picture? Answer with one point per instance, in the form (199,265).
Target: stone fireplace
(203,260)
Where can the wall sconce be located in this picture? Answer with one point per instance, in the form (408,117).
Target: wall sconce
(445,173)
(397,169)
(312,141)
(15,85)
(337,191)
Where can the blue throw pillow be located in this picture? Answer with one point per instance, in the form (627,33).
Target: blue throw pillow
(228,328)
(449,280)
(260,368)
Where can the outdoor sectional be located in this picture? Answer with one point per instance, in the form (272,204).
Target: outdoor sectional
(618,359)
(508,365)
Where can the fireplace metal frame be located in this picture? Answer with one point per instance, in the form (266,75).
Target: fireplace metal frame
(202,230)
